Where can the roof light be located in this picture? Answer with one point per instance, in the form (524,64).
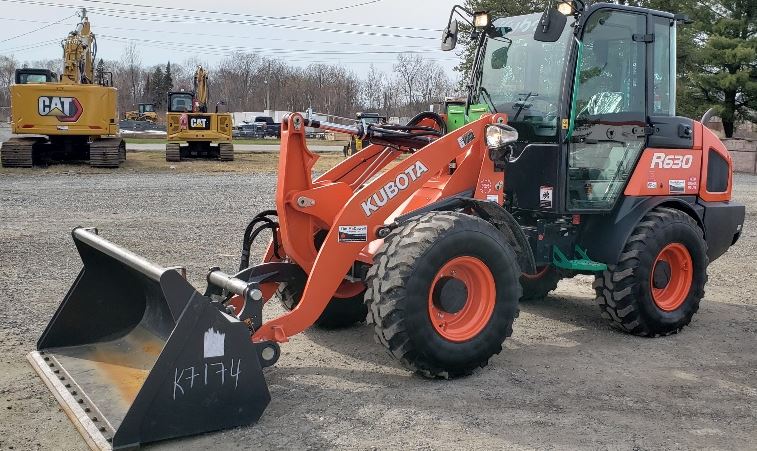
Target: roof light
(481,19)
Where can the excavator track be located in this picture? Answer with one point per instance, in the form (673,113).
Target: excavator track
(107,153)
(18,152)
(226,151)
(173,152)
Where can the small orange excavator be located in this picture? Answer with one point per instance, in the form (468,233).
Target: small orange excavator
(562,161)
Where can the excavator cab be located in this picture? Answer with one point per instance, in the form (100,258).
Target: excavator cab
(180,102)
(29,76)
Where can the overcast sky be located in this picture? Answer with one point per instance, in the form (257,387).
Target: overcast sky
(349,32)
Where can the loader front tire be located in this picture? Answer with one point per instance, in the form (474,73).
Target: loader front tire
(656,287)
(538,286)
(443,293)
(338,314)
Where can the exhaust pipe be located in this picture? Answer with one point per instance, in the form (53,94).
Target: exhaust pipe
(134,354)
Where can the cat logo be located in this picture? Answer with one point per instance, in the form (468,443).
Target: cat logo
(65,109)
(199,123)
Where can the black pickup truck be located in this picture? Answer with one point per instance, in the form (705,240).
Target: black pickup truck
(271,128)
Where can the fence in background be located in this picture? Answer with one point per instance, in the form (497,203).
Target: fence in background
(744,153)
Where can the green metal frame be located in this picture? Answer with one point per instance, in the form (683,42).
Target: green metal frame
(582,264)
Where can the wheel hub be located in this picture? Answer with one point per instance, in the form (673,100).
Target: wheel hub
(450,294)
(661,275)
(461,298)
(671,277)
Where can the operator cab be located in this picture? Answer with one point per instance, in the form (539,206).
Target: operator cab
(31,76)
(180,102)
(146,108)
(584,94)
(371,118)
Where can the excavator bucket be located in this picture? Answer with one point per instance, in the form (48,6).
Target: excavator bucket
(134,354)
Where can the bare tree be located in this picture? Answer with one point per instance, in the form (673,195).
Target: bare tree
(132,64)
(409,69)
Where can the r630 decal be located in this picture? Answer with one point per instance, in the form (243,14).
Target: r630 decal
(663,161)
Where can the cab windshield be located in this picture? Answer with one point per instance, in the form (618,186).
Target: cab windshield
(521,77)
(181,103)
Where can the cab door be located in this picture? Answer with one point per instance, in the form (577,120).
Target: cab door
(608,119)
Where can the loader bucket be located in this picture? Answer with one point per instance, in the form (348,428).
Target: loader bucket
(134,354)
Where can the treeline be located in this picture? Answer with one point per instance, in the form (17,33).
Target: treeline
(251,82)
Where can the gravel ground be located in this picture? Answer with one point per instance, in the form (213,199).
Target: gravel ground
(564,381)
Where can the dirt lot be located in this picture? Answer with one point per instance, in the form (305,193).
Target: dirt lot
(564,381)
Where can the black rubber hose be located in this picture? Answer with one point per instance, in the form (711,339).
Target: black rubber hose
(248,238)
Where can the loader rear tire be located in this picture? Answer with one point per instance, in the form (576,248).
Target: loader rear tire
(443,293)
(338,314)
(656,287)
(538,286)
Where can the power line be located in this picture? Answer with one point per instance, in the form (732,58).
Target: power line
(23,47)
(366,44)
(37,29)
(222,13)
(211,35)
(269,49)
(335,9)
(184,46)
(193,20)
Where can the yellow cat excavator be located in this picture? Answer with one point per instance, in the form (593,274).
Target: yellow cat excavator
(189,122)
(68,118)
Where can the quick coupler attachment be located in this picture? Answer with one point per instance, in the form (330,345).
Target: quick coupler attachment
(134,354)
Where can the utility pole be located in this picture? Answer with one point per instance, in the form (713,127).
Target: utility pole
(268,89)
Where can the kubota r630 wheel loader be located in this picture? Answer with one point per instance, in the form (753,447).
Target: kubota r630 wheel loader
(567,158)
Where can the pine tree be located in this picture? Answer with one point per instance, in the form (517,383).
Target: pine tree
(168,79)
(157,91)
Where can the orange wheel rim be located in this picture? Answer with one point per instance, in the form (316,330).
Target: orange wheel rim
(540,272)
(461,298)
(671,277)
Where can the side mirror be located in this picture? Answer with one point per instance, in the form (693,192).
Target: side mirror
(499,57)
(550,26)
(449,36)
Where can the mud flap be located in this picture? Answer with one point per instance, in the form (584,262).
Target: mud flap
(134,354)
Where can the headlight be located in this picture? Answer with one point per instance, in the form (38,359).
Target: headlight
(497,135)
(565,8)
(481,19)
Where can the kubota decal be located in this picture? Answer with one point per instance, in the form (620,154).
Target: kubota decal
(66,109)
(391,189)
(663,161)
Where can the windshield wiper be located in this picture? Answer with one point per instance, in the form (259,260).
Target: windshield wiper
(522,103)
(488,97)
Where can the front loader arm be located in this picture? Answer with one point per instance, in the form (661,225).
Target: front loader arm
(363,213)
